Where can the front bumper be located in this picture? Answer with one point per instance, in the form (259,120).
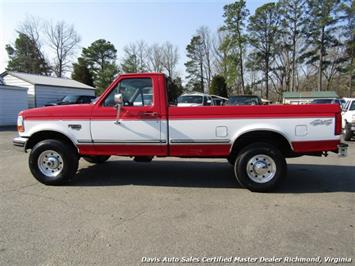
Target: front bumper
(20,143)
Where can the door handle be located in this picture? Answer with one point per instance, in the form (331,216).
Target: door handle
(152,114)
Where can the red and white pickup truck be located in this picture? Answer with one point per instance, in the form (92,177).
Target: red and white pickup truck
(133,118)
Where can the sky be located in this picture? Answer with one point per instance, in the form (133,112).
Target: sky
(118,21)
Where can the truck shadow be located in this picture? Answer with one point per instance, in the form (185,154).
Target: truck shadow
(302,178)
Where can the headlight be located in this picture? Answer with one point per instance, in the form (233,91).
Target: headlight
(353,119)
(20,124)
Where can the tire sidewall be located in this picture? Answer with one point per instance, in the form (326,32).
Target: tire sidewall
(240,167)
(68,155)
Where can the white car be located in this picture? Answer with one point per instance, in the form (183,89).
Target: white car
(348,121)
(194,99)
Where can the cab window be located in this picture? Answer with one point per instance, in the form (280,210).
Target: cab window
(135,92)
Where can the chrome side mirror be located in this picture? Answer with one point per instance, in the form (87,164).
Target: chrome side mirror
(118,105)
(118,98)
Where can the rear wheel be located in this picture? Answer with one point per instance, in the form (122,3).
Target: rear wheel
(53,162)
(260,167)
(96,159)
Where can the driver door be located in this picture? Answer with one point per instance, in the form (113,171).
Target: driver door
(137,129)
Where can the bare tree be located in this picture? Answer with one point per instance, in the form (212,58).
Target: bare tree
(135,57)
(170,58)
(206,42)
(62,39)
(31,27)
(155,58)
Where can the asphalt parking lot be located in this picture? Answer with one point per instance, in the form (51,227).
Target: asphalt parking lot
(121,211)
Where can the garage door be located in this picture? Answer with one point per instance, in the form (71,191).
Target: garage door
(12,101)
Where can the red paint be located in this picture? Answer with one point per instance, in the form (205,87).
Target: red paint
(254,111)
(123,150)
(200,150)
(338,129)
(315,146)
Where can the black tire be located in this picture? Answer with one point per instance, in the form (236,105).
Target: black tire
(264,161)
(347,132)
(67,164)
(96,159)
(231,159)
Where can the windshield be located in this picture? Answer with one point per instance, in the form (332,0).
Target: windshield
(70,99)
(190,99)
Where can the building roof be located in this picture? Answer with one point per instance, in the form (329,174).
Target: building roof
(46,80)
(310,94)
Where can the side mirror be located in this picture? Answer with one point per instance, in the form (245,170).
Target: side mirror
(118,105)
(118,98)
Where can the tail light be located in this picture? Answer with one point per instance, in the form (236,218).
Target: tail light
(338,123)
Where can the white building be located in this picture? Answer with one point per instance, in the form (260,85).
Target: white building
(44,89)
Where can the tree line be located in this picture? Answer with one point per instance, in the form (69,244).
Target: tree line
(289,45)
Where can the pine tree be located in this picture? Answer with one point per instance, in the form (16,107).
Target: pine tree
(194,66)
(26,57)
(320,28)
(235,15)
(81,72)
(263,34)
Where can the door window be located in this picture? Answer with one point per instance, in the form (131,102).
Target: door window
(135,92)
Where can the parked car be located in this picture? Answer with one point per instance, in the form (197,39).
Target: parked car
(73,99)
(341,102)
(194,99)
(244,100)
(348,115)
(256,140)
(218,100)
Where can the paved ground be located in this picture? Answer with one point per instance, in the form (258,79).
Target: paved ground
(119,212)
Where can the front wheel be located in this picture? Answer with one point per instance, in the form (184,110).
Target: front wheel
(260,167)
(53,162)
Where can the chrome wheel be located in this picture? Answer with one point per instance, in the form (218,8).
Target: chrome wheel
(50,163)
(261,168)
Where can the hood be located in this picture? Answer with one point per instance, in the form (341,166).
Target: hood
(74,111)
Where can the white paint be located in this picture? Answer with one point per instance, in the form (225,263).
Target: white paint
(126,130)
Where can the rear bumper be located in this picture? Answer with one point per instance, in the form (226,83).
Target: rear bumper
(20,143)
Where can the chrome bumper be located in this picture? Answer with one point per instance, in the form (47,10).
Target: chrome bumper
(20,143)
(343,150)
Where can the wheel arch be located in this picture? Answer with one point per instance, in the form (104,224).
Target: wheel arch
(48,134)
(270,136)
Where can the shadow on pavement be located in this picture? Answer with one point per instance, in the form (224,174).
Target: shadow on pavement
(302,178)
(8,128)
